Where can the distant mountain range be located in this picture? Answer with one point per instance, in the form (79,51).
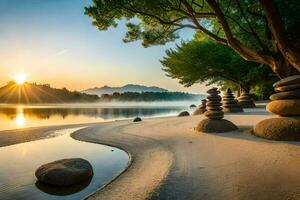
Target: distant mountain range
(32,93)
(41,93)
(126,88)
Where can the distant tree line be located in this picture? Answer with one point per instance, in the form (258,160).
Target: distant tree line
(34,93)
(149,96)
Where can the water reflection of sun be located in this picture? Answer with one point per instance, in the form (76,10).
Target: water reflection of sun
(20,119)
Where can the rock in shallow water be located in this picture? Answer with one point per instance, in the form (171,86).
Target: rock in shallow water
(65,172)
(289,107)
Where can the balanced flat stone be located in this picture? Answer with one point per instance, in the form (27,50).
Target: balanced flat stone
(291,80)
(215,126)
(288,107)
(211,114)
(288,87)
(183,114)
(281,128)
(65,172)
(294,94)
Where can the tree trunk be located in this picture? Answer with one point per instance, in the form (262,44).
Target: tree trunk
(290,52)
(282,68)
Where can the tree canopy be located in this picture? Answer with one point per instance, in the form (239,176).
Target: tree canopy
(263,31)
(202,60)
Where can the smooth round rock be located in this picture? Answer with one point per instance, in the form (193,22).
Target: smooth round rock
(216,98)
(214,108)
(137,119)
(284,107)
(183,114)
(291,80)
(287,87)
(281,128)
(193,106)
(211,114)
(294,94)
(209,103)
(213,91)
(65,172)
(215,126)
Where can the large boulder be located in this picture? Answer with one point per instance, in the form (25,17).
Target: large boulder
(65,172)
(288,107)
(215,126)
(281,128)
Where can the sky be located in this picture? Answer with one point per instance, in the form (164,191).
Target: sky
(52,41)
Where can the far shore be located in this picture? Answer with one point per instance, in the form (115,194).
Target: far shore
(172,161)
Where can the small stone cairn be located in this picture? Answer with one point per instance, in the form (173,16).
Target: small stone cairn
(201,108)
(285,103)
(230,104)
(213,105)
(215,122)
(246,101)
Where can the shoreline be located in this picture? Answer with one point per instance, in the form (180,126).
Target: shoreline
(169,160)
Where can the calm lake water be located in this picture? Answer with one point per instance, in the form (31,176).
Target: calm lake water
(22,116)
(19,162)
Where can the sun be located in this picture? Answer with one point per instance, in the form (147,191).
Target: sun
(20,79)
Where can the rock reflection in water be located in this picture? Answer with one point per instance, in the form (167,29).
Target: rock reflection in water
(62,191)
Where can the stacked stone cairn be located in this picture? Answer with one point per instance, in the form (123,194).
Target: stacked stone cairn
(201,108)
(230,104)
(214,122)
(246,101)
(286,104)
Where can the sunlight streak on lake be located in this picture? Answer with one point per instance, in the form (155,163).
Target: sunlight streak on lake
(24,116)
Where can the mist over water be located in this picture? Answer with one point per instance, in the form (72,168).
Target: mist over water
(23,116)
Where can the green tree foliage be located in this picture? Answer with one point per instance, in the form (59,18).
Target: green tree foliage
(150,96)
(203,60)
(263,31)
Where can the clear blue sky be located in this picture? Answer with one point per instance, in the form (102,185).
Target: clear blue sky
(52,41)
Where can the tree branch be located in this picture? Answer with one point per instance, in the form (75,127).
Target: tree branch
(245,52)
(288,50)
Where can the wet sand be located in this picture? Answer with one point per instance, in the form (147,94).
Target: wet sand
(169,160)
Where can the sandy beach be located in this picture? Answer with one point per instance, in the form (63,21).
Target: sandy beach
(169,160)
